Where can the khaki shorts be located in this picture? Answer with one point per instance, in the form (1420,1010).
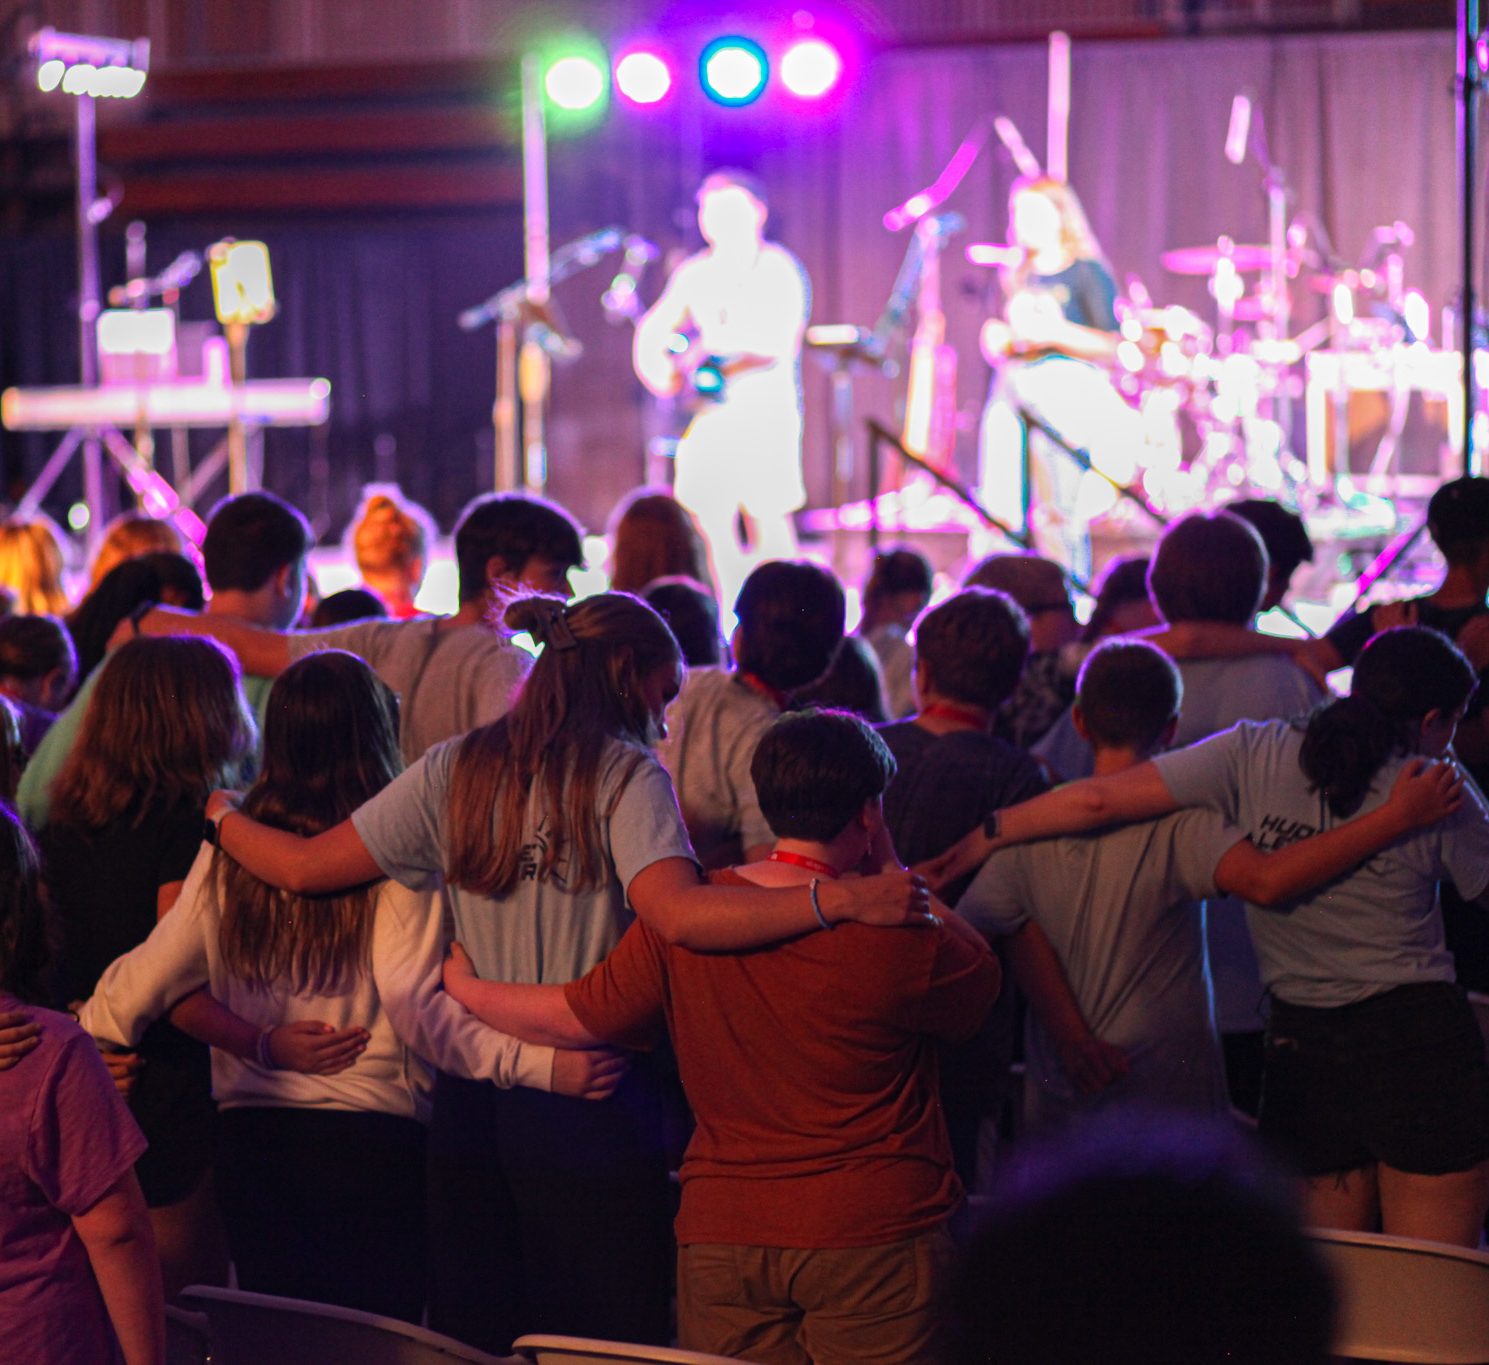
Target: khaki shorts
(874,1305)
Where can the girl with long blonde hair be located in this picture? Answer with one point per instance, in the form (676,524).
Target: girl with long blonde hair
(550,827)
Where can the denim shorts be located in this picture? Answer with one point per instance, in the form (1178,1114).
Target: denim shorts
(1399,1078)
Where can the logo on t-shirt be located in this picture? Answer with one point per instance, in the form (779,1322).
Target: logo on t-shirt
(1277,831)
(531,858)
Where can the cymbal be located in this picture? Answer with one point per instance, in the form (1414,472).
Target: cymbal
(1201,260)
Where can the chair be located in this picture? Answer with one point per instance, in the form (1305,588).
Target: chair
(1401,1299)
(259,1329)
(187,1338)
(546,1350)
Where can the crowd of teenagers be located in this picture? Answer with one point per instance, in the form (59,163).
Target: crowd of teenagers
(563,965)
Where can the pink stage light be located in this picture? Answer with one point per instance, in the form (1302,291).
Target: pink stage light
(811,68)
(643,77)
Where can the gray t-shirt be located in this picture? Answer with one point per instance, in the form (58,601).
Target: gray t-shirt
(1120,910)
(449,679)
(712,730)
(1372,929)
(541,931)
(1217,693)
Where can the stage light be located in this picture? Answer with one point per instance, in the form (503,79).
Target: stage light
(575,83)
(811,68)
(734,70)
(108,68)
(643,77)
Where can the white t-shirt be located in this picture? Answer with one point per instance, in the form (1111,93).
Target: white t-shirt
(1120,910)
(541,931)
(1374,928)
(400,1002)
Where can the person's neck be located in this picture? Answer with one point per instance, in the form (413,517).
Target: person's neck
(943,716)
(1108,762)
(1051,260)
(476,612)
(255,608)
(739,255)
(1461,586)
(779,699)
(836,855)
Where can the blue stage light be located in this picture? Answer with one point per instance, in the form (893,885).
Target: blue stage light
(734,70)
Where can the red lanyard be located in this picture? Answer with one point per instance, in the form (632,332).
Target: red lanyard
(801,860)
(968,715)
(764,689)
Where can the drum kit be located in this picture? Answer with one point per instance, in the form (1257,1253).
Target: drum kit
(1218,394)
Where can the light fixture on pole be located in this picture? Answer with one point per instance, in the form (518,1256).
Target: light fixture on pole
(243,297)
(89,68)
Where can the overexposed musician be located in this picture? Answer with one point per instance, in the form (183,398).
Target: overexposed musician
(1050,355)
(727,331)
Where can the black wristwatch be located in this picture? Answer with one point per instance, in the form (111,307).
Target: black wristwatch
(210,831)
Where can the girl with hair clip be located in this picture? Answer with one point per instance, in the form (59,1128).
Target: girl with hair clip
(1375,1077)
(321,1178)
(81,1279)
(166,724)
(1049,355)
(550,827)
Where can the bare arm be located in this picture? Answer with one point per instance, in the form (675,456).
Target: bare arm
(19,1033)
(325,862)
(536,1014)
(264,653)
(116,1234)
(1222,640)
(1091,1063)
(1136,793)
(1423,794)
(676,903)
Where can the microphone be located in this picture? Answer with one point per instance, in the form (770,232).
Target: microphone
(176,276)
(1238,135)
(620,301)
(587,249)
(945,224)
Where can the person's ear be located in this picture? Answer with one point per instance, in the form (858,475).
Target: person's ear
(498,571)
(1166,739)
(1078,719)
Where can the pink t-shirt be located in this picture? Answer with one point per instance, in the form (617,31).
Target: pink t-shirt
(65,1137)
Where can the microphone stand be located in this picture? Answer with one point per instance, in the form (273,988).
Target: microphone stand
(1469,85)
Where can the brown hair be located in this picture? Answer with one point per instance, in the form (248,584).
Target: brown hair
(130,535)
(1076,236)
(330,743)
(655,537)
(166,724)
(554,746)
(974,647)
(31,565)
(1209,566)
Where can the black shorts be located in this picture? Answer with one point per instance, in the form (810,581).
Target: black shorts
(1399,1078)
